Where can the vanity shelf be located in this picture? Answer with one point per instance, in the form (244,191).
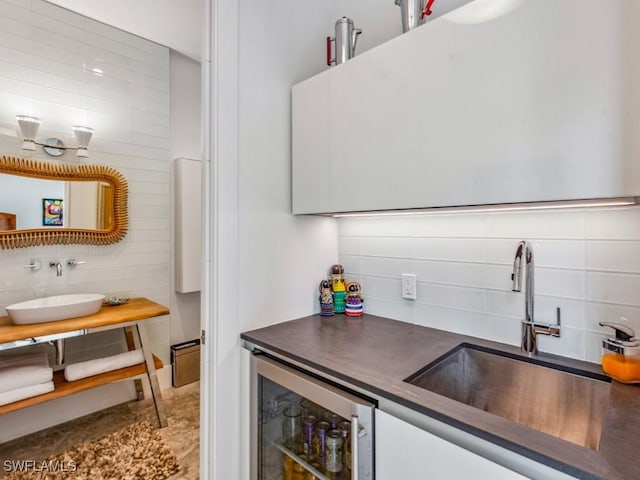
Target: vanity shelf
(129,316)
(64,388)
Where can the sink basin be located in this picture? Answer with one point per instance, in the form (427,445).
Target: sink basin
(51,309)
(569,404)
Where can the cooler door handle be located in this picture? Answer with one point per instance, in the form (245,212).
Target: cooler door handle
(355,430)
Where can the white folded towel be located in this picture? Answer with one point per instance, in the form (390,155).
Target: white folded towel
(23,370)
(76,371)
(25,392)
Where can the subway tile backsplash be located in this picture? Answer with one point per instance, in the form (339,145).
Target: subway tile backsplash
(587,262)
(67,70)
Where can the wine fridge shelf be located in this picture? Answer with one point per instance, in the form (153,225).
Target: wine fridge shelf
(343,475)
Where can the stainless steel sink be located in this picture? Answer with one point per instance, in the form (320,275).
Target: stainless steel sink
(568,404)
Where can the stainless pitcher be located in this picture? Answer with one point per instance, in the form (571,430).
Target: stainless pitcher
(346,37)
(413,12)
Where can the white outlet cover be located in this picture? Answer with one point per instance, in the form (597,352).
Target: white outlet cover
(409,286)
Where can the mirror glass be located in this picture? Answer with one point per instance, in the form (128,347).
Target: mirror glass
(45,203)
(42,203)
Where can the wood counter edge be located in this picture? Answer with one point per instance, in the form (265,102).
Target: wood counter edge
(136,309)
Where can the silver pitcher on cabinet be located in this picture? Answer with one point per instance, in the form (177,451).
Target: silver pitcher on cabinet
(346,37)
(413,12)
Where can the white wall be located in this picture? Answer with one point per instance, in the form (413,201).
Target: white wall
(184,142)
(586,262)
(175,24)
(46,57)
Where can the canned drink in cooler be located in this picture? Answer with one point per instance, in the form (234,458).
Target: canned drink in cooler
(334,420)
(320,439)
(307,435)
(345,430)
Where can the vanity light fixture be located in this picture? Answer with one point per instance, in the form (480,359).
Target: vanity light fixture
(52,146)
(505,207)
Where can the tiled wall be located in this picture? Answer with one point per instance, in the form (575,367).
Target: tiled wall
(69,70)
(587,262)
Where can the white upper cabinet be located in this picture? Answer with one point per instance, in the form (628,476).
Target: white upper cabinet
(539,104)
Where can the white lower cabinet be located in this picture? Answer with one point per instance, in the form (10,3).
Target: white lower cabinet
(404,451)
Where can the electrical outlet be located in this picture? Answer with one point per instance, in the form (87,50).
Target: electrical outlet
(409,286)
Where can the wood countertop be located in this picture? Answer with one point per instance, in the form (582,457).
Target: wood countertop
(135,309)
(376,354)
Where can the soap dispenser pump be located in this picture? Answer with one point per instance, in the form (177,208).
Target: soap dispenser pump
(621,355)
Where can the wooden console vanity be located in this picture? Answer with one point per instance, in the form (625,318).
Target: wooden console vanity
(129,316)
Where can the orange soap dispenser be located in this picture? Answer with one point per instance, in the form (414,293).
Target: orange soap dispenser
(621,355)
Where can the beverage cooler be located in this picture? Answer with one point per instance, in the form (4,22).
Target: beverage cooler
(306,429)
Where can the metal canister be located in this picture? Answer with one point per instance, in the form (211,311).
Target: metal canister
(320,439)
(307,434)
(345,430)
(333,461)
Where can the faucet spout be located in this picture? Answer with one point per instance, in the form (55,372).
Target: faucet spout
(525,251)
(57,266)
(530,329)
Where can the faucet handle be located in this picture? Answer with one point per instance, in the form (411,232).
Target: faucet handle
(72,262)
(34,264)
(552,329)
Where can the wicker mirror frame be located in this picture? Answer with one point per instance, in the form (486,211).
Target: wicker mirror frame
(68,236)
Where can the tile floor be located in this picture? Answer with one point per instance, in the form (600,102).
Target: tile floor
(182,434)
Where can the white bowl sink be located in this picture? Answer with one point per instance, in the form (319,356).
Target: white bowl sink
(51,309)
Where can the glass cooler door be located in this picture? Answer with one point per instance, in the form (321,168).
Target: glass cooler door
(306,429)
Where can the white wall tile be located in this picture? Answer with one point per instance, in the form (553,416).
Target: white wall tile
(449,225)
(453,296)
(613,224)
(587,262)
(386,267)
(559,282)
(619,288)
(451,273)
(382,287)
(452,249)
(613,255)
(534,224)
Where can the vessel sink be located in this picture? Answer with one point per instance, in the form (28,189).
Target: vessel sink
(51,309)
(567,403)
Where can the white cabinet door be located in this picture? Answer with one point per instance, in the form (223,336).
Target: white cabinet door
(536,105)
(404,451)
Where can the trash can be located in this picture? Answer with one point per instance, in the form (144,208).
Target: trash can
(185,362)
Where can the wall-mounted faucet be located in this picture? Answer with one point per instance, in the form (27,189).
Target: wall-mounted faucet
(529,328)
(58,266)
(34,265)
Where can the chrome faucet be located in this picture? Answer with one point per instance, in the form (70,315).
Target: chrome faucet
(57,266)
(530,329)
